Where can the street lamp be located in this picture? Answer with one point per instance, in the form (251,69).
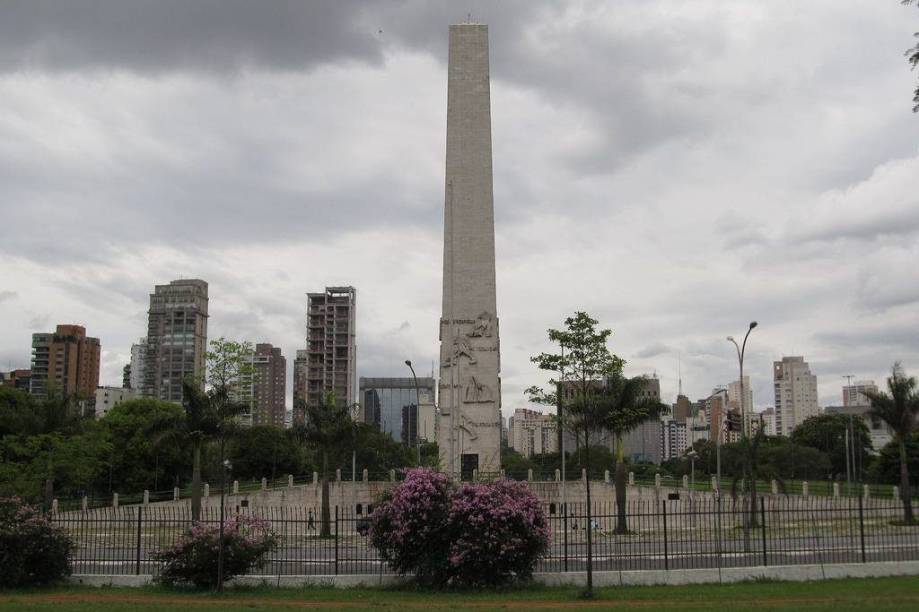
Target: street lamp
(227,466)
(408,362)
(740,355)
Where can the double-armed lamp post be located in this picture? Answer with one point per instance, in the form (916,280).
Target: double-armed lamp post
(740,355)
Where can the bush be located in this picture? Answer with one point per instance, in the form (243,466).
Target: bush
(32,550)
(193,559)
(477,535)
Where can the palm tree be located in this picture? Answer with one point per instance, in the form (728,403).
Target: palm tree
(899,409)
(327,427)
(209,415)
(622,406)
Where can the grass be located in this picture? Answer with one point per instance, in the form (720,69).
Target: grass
(851,594)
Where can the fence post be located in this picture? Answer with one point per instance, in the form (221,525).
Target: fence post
(866,491)
(861,526)
(775,487)
(175,493)
(530,475)
(558,475)
(666,557)
(146,497)
(84,503)
(264,484)
(835,490)
(290,481)
(631,479)
(896,492)
(685,481)
(336,540)
(235,487)
(365,475)
(762,521)
(565,530)
(115,501)
(804,489)
(606,476)
(140,511)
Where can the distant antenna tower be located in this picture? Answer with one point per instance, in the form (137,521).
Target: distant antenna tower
(679,369)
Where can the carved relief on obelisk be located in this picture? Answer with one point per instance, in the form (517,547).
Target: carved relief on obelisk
(469,427)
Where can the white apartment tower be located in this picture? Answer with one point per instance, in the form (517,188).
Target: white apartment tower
(795,394)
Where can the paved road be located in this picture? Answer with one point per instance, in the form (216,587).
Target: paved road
(318,557)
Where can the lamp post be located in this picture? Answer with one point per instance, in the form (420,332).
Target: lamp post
(227,466)
(748,471)
(408,362)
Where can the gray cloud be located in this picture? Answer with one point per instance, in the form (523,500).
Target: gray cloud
(653,165)
(8,295)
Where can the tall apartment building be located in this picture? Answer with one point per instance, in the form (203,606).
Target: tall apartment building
(532,433)
(795,393)
(176,338)
(301,366)
(330,346)
(109,397)
(855,394)
(644,442)
(269,385)
(682,409)
(138,363)
(390,405)
(734,402)
(68,360)
(674,438)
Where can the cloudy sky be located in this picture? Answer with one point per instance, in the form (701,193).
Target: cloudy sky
(676,169)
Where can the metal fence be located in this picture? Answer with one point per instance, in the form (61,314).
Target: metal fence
(666,534)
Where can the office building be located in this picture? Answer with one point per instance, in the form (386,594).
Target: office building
(532,432)
(795,394)
(644,442)
(390,405)
(68,361)
(682,409)
(109,397)
(331,349)
(734,403)
(176,339)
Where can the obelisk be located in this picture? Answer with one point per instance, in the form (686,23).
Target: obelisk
(469,427)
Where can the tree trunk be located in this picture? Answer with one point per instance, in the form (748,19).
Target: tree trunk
(621,525)
(905,493)
(590,557)
(196,483)
(325,519)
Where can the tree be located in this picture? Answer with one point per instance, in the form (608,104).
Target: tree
(899,409)
(265,451)
(913,56)
(887,467)
(621,407)
(583,362)
(827,433)
(327,427)
(137,460)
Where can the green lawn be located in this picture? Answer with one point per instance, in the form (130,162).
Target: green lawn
(874,594)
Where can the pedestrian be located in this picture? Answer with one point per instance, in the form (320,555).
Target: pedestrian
(310,521)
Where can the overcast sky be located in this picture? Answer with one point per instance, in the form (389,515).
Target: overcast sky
(676,169)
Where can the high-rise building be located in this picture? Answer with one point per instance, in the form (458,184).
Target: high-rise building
(855,394)
(126,376)
(795,394)
(67,360)
(301,366)
(878,430)
(682,409)
(674,438)
(469,431)
(269,385)
(644,442)
(734,400)
(533,432)
(138,363)
(768,418)
(176,338)
(390,405)
(330,346)
(16,379)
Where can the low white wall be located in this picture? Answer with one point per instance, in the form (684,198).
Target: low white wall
(793,573)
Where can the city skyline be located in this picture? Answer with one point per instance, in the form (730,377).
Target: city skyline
(789,197)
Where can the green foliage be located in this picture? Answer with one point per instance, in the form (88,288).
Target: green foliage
(32,551)
(912,55)
(827,434)
(227,362)
(514,464)
(263,451)
(887,467)
(140,457)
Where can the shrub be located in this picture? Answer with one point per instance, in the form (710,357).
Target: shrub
(193,559)
(32,550)
(408,526)
(477,535)
(498,532)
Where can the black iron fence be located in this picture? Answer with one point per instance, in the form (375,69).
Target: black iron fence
(664,534)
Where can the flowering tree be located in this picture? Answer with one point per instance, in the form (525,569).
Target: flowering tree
(479,534)
(32,550)
(498,531)
(193,559)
